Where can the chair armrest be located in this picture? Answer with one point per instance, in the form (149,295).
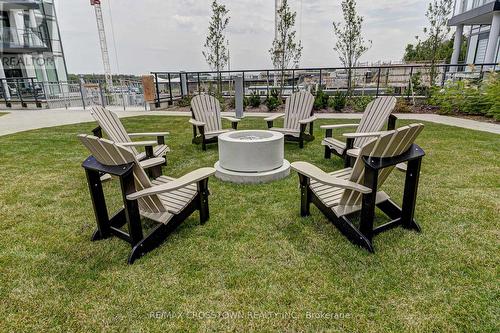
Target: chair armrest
(231,119)
(364,135)
(196,123)
(152,162)
(338,126)
(308,120)
(137,143)
(354,152)
(274,117)
(319,175)
(149,134)
(190,178)
(403,167)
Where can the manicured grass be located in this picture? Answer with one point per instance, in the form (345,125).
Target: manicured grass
(256,260)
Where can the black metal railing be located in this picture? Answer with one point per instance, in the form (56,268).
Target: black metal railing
(30,91)
(22,90)
(397,80)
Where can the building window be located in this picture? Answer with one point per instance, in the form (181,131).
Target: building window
(471,52)
(482,45)
(498,50)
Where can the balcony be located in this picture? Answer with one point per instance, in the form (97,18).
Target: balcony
(20,4)
(21,41)
(474,12)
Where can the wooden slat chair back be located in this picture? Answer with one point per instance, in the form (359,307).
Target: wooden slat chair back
(298,107)
(207,109)
(108,153)
(340,194)
(391,144)
(374,117)
(112,125)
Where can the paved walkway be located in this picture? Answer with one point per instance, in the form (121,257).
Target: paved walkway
(24,120)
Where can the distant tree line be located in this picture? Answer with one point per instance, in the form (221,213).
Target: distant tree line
(101,77)
(422,50)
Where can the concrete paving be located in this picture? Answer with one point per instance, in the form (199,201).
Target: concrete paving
(24,120)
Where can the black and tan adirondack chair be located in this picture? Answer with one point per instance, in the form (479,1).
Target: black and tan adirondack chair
(342,193)
(111,124)
(298,114)
(377,113)
(165,200)
(207,120)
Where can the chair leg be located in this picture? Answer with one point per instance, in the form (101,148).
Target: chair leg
(342,223)
(203,139)
(155,172)
(368,203)
(305,196)
(99,203)
(391,123)
(301,142)
(410,195)
(203,197)
(132,215)
(154,239)
(328,153)
(195,134)
(302,136)
(347,160)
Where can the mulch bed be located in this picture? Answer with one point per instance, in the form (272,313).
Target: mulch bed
(419,109)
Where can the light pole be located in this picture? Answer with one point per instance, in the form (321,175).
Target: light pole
(229,66)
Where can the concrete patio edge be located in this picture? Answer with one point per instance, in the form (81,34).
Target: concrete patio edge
(25,120)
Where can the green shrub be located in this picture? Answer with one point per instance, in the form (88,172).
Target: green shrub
(254,100)
(492,94)
(468,97)
(273,101)
(418,89)
(232,103)
(221,100)
(338,101)
(459,97)
(402,106)
(451,98)
(321,100)
(359,103)
(185,101)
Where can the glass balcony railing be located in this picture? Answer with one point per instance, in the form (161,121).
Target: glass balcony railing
(21,38)
(463,6)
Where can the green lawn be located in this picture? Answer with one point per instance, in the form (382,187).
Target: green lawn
(3,113)
(256,265)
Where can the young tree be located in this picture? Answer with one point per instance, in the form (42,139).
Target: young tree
(438,30)
(285,48)
(215,52)
(350,44)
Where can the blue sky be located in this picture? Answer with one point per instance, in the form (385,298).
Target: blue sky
(169,34)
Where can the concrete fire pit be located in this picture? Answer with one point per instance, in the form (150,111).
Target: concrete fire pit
(251,157)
